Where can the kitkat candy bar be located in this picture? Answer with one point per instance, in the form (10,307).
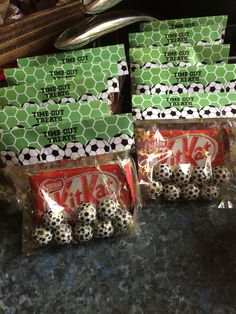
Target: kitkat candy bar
(185,23)
(200,35)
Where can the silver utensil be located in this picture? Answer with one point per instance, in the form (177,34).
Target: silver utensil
(94,27)
(98,6)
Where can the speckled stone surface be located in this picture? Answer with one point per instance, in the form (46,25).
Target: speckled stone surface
(183,261)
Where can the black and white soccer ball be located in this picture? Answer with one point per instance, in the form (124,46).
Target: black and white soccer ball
(66,100)
(201,175)
(104,95)
(201,43)
(190,112)
(181,175)
(151,113)
(123,221)
(162,173)
(210,192)
(149,65)
(221,175)
(103,229)
(166,65)
(17,127)
(51,152)
(184,44)
(73,150)
(184,64)
(63,234)
(231,86)
(171,192)
(47,102)
(201,63)
(107,209)
(134,66)
(210,111)
(87,97)
(42,235)
(195,88)
(166,45)
(113,85)
(170,113)
(178,89)
(9,158)
(190,192)
(52,218)
(29,104)
(159,89)
(143,89)
(220,62)
(29,156)
(218,41)
(229,111)
(137,114)
(97,146)
(121,142)
(215,87)
(154,189)
(123,68)
(83,233)
(87,213)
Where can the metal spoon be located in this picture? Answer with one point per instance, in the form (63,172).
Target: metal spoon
(91,28)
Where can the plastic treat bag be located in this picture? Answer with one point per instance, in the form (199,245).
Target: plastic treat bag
(79,178)
(182,56)
(186,161)
(215,78)
(184,106)
(185,23)
(201,35)
(12,118)
(99,86)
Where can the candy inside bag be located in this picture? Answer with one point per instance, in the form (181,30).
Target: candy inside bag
(186,161)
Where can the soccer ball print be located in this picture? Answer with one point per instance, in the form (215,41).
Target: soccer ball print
(178,89)
(51,152)
(87,97)
(67,100)
(9,158)
(231,86)
(159,89)
(73,150)
(103,95)
(195,88)
(29,156)
(170,113)
(143,89)
(113,85)
(121,142)
(149,65)
(215,87)
(123,68)
(97,146)
(210,112)
(137,114)
(229,111)
(166,65)
(134,66)
(151,113)
(190,113)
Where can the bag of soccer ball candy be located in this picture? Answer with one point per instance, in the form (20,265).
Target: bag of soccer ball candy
(184,106)
(200,35)
(99,86)
(186,160)
(215,78)
(185,23)
(165,57)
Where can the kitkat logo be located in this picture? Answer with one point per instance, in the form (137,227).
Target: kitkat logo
(188,148)
(51,186)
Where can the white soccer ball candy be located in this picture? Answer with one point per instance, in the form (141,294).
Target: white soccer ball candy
(103,229)
(210,192)
(41,235)
(171,192)
(162,172)
(107,209)
(201,175)
(221,175)
(52,218)
(181,175)
(63,234)
(87,213)
(154,189)
(190,191)
(83,233)
(123,221)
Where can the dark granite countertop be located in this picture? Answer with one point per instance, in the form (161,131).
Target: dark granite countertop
(183,261)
